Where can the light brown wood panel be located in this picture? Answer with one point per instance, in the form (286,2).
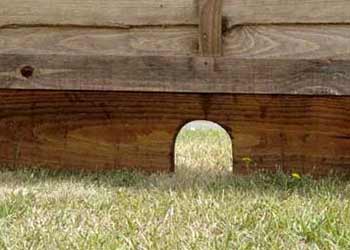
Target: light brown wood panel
(113,13)
(288,42)
(241,12)
(310,59)
(83,41)
(111,130)
(246,42)
(122,13)
(175,74)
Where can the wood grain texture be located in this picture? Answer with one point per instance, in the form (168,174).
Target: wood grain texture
(242,12)
(120,13)
(210,27)
(124,13)
(110,130)
(85,41)
(284,59)
(288,42)
(246,42)
(176,74)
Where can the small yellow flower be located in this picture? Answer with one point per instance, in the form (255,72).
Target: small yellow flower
(296,176)
(247,159)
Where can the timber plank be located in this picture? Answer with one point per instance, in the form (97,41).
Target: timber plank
(288,42)
(111,130)
(124,13)
(111,13)
(242,12)
(91,41)
(246,42)
(276,59)
(175,74)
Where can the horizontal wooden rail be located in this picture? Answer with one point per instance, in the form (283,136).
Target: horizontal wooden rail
(242,12)
(138,54)
(175,74)
(121,13)
(247,42)
(124,13)
(327,42)
(112,130)
(312,59)
(91,41)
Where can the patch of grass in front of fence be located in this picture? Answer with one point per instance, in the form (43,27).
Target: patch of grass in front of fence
(202,206)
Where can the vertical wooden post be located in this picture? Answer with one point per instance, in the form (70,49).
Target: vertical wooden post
(210,27)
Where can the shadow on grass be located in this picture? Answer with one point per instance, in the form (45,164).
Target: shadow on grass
(211,182)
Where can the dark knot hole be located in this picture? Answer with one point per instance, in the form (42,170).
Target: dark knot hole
(27,71)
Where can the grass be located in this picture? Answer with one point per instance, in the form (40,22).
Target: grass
(202,206)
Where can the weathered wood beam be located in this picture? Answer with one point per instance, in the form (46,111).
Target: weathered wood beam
(242,12)
(94,13)
(288,42)
(126,13)
(313,59)
(210,28)
(175,74)
(112,130)
(150,41)
(246,42)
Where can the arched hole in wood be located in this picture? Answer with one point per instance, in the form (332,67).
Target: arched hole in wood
(203,147)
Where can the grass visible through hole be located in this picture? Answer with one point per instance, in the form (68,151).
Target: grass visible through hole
(201,206)
(203,152)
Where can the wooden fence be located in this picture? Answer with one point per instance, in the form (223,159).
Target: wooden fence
(107,84)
